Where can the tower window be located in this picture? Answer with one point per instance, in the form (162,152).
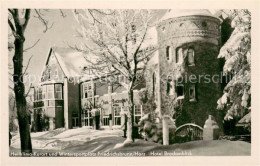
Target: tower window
(192,93)
(204,24)
(163,29)
(180,90)
(191,57)
(168,53)
(179,56)
(170,90)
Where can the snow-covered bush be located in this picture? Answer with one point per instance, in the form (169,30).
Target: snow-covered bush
(236,51)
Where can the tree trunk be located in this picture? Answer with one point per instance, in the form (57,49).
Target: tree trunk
(20,99)
(130,117)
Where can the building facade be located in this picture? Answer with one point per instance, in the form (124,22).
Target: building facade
(110,100)
(188,43)
(56,97)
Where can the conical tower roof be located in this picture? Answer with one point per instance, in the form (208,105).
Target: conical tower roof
(173,13)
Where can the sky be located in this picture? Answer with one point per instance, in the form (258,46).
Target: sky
(62,32)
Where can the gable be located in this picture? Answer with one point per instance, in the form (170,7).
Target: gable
(52,70)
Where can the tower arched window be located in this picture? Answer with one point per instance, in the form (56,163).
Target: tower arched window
(170,88)
(179,56)
(190,55)
(168,53)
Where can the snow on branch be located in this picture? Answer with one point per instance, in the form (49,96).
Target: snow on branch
(115,38)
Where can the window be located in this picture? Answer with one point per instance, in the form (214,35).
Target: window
(105,114)
(56,72)
(117,116)
(58,91)
(105,120)
(192,94)
(204,24)
(133,27)
(179,90)
(50,91)
(96,101)
(43,91)
(35,94)
(87,91)
(86,117)
(179,56)
(170,89)
(75,120)
(191,57)
(51,103)
(49,74)
(137,113)
(168,53)
(40,93)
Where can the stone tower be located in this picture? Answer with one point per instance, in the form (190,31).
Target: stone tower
(189,42)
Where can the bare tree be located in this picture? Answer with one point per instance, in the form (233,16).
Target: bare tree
(18,21)
(115,42)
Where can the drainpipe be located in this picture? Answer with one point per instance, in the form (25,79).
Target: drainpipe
(159,90)
(110,105)
(66,106)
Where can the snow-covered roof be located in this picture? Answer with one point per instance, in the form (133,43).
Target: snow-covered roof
(71,62)
(246,119)
(186,12)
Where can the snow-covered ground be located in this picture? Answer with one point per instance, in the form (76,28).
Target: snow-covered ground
(194,148)
(60,138)
(82,140)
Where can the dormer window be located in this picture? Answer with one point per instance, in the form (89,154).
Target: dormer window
(190,55)
(168,53)
(179,56)
(49,74)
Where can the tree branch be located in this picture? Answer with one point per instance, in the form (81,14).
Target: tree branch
(30,87)
(11,26)
(94,19)
(62,13)
(44,22)
(11,11)
(26,17)
(27,64)
(101,12)
(31,46)
(11,88)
